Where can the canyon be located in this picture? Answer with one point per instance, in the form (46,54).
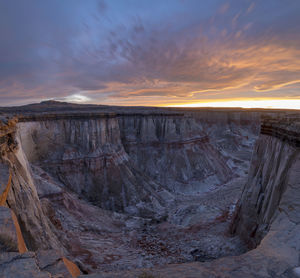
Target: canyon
(104,191)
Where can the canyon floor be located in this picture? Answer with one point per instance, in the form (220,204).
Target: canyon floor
(196,229)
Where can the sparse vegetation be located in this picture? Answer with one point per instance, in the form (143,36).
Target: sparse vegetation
(7,244)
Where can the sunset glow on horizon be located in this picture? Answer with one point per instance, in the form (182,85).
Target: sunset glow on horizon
(259,103)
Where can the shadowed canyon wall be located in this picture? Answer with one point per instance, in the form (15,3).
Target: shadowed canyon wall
(87,156)
(272,189)
(185,152)
(134,162)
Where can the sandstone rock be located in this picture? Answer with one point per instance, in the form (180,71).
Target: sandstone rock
(173,150)
(22,198)
(8,234)
(14,265)
(88,158)
(4,193)
(4,176)
(272,189)
(56,264)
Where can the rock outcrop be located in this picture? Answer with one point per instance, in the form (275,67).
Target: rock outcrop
(19,197)
(272,189)
(11,239)
(14,265)
(22,198)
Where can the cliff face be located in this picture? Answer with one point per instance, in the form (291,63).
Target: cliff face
(174,150)
(272,189)
(22,197)
(134,162)
(87,156)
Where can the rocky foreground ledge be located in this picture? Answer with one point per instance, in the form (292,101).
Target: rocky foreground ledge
(267,216)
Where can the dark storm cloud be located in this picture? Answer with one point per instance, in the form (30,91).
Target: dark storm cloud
(109,50)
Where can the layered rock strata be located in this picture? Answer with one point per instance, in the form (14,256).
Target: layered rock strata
(87,156)
(267,216)
(23,198)
(36,228)
(174,150)
(272,189)
(118,161)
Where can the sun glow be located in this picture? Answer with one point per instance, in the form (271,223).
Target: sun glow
(259,103)
(77,98)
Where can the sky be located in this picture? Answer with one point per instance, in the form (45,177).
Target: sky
(159,53)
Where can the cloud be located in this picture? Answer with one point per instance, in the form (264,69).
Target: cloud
(78,98)
(57,49)
(251,7)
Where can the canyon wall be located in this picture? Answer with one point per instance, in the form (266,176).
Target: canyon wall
(272,189)
(86,155)
(174,150)
(22,197)
(135,162)
(267,216)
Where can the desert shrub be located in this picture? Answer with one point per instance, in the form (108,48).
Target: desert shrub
(7,244)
